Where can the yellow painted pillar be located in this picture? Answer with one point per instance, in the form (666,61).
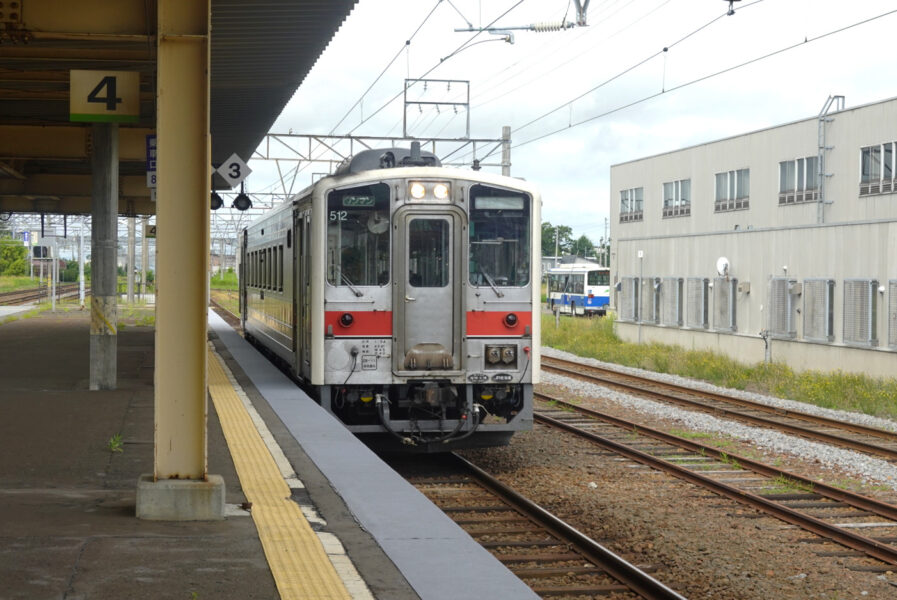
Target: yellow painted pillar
(183,157)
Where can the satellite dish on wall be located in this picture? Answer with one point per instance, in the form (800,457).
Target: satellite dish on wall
(722,266)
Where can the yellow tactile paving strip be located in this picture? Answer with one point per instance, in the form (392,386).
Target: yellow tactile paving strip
(301,568)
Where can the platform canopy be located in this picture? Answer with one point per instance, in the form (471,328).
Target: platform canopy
(261,53)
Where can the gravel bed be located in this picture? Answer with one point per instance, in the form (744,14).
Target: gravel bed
(867,468)
(841,415)
(701,545)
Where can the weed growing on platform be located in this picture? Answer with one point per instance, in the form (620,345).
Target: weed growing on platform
(595,338)
(115,444)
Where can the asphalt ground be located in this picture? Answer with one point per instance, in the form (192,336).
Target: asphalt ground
(67,500)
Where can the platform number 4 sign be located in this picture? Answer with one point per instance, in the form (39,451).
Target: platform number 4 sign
(104,96)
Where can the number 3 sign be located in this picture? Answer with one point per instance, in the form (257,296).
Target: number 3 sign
(104,96)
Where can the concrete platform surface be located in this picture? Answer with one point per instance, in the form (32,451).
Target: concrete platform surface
(67,524)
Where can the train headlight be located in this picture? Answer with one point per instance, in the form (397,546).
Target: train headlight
(508,354)
(493,354)
(417,190)
(346,319)
(441,191)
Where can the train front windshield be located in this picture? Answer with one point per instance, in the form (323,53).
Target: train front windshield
(358,236)
(499,237)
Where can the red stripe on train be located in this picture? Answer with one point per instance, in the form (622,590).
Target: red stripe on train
(364,323)
(481,323)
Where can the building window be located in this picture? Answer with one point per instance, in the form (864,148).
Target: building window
(733,190)
(631,204)
(819,311)
(698,295)
(799,180)
(877,169)
(724,304)
(861,312)
(677,198)
(782,305)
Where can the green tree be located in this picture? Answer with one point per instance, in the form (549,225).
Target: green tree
(13,257)
(70,273)
(583,247)
(564,236)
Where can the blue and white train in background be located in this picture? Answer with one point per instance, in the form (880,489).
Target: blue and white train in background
(579,289)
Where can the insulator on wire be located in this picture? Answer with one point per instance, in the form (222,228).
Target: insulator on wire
(544,27)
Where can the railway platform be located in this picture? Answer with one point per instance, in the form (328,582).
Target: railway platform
(71,459)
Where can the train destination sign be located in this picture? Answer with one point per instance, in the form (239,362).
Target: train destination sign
(104,96)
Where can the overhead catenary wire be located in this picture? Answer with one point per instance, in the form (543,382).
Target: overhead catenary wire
(442,61)
(806,41)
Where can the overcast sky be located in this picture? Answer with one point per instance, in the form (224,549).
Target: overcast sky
(513,84)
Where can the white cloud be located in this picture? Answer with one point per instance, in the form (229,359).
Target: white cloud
(513,84)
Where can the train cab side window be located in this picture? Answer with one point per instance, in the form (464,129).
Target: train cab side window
(499,237)
(358,230)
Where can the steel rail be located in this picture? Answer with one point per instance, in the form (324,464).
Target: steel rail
(821,436)
(864,544)
(618,568)
(795,414)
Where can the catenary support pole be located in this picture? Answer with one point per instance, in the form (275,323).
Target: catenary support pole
(103,250)
(132,240)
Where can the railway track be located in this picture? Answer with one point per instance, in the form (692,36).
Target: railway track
(832,513)
(550,556)
(30,295)
(876,442)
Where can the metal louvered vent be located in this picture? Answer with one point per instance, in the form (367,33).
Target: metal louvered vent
(671,301)
(892,313)
(819,311)
(629,299)
(698,301)
(724,303)
(860,312)
(650,288)
(781,308)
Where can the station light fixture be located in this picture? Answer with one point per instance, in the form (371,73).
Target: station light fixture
(217,202)
(242,201)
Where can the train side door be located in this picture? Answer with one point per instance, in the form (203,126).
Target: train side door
(302,303)
(427,267)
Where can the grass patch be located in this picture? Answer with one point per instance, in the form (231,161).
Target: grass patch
(595,338)
(11,283)
(224,281)
(115,444)
(786,485)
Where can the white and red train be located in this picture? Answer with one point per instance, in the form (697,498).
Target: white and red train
(405,297)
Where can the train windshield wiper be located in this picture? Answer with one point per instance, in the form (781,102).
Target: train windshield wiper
(491,283)
(358,293)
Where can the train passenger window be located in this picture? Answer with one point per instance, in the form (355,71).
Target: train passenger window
(269,274)
(599,278)
(358,228)
(280,267)
(499,228)
(429,256)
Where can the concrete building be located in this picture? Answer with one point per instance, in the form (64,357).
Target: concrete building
(778,244)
